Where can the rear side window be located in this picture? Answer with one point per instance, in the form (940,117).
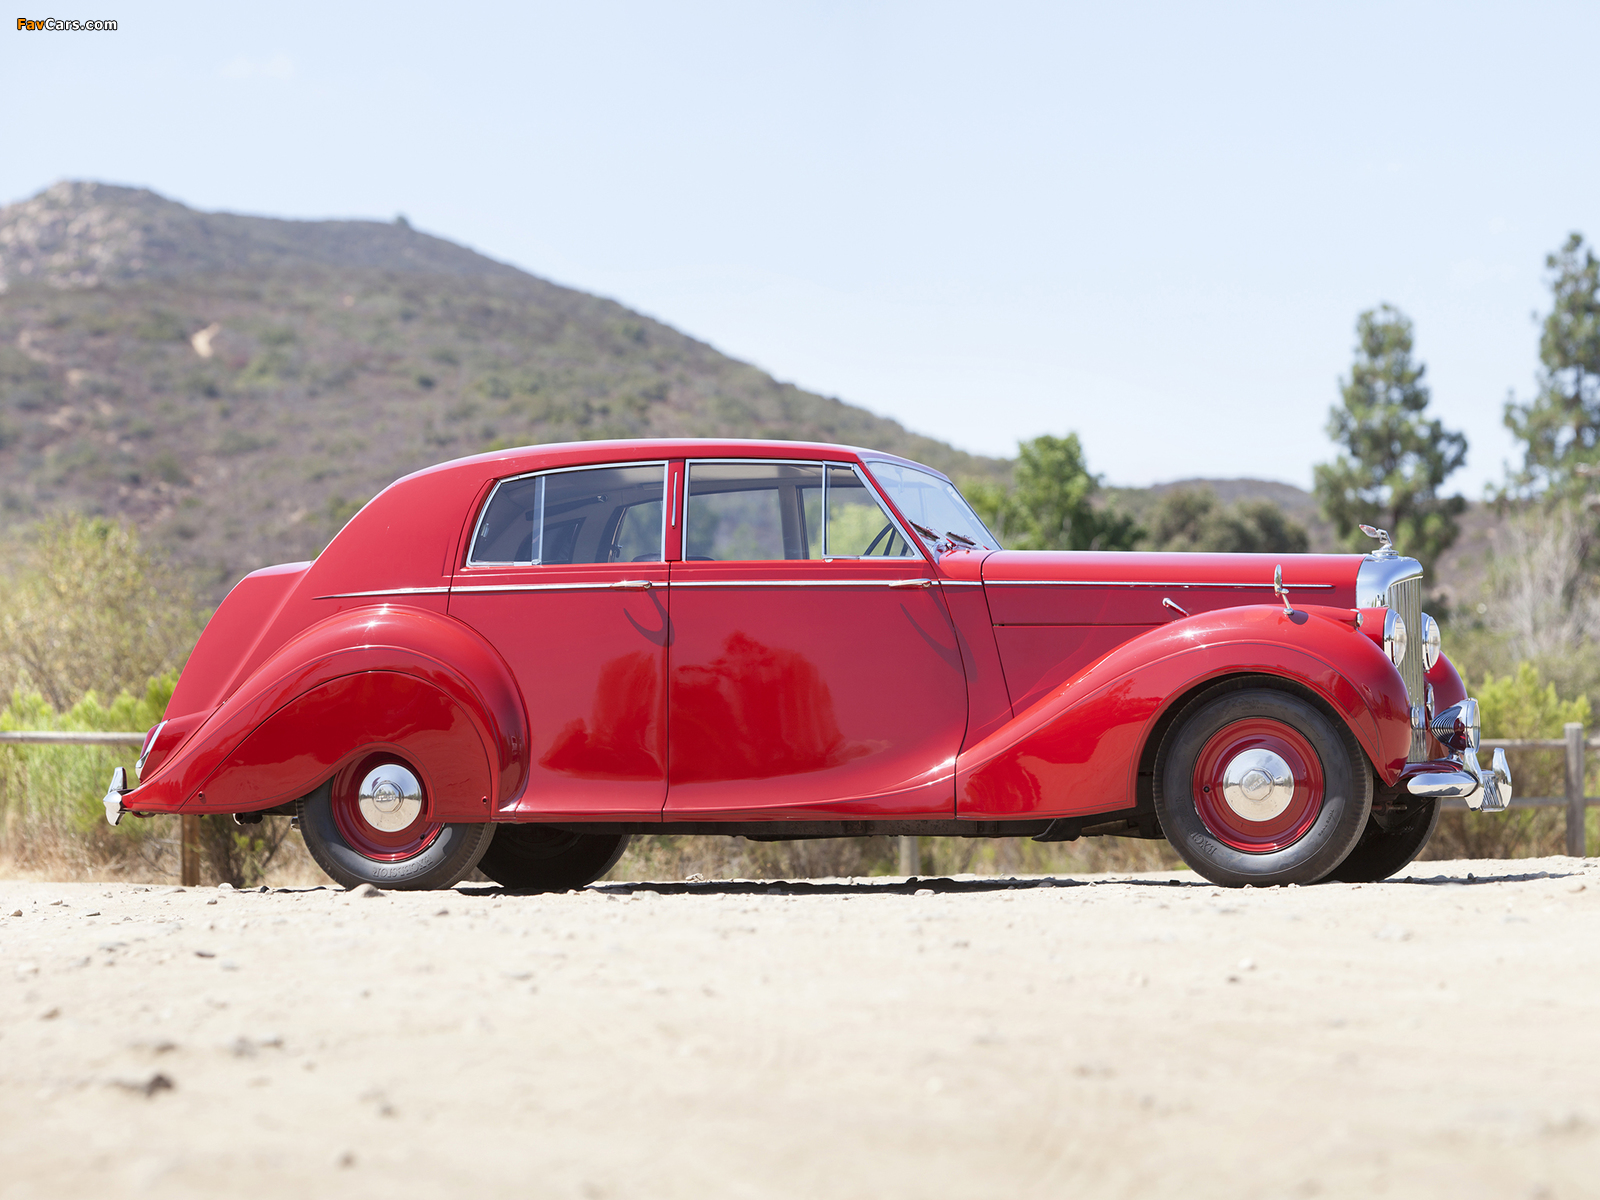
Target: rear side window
(595,515)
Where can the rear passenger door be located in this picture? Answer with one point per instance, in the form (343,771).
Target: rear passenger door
(813,669)
(566,576)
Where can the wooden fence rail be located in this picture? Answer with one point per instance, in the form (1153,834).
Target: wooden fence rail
(1574,801)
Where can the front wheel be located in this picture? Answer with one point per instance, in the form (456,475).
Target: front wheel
(533,858)
(369,824)
(1260,787)
(1392,838)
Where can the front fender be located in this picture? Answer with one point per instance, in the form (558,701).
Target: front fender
(445,655)
(1077,750)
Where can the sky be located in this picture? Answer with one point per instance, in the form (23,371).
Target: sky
(1150,224)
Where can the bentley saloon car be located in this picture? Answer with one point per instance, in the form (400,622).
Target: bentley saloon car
(514,662)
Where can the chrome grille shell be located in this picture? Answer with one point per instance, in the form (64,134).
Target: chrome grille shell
(1390,581)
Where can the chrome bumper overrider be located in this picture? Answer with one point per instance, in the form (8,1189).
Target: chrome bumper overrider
(1461,776)
(113,801)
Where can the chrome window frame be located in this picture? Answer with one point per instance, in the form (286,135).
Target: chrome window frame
(666,477)
(871,485)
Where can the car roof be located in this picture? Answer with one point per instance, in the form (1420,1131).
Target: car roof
(520,460)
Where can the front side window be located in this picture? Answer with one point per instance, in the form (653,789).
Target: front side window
(934,504)
(594,515)
(857,525)
(744,512)
(752,512)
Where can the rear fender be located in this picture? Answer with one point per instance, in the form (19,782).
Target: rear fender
(1077,750)
(437,651)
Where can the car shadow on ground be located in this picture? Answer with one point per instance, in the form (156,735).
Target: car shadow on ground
(944,884)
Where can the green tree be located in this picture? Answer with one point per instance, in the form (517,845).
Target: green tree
(1051,504)
(1191,519)
(1560,427)
(1393,458)
(87,609)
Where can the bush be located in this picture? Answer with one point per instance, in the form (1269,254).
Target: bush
(88,610)
(1521,704)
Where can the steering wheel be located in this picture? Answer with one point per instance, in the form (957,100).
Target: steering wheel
(889,528)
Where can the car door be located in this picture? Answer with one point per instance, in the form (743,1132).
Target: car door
(566,576)
(813,670)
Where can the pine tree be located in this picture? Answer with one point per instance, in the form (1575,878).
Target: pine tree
(1393,458)
(1560,427)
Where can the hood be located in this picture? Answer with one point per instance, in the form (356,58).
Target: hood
(1092,587)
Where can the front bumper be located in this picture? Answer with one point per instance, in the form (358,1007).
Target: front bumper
(1460,776)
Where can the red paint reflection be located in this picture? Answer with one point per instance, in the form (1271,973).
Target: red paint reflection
(754,712)
(618,740)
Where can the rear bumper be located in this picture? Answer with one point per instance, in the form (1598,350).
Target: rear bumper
(114,794)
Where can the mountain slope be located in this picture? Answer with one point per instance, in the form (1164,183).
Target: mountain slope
(238,385)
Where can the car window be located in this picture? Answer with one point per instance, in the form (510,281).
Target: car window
(858,527)
(753,512)
(933,503)
(595,515)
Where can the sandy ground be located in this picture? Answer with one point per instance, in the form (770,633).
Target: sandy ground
(1137,1036)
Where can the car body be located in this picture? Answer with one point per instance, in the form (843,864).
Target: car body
(525,656)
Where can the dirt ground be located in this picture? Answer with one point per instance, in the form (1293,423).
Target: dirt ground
(1130,1036)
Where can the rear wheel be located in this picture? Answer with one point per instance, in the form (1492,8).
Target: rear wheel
(537,859)
(1393,837)
(1257,786)
(369,824)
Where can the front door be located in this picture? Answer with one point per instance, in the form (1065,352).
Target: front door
(566,578)
(814,673)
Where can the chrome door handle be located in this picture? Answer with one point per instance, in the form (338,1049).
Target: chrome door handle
(631,585)
(908,583)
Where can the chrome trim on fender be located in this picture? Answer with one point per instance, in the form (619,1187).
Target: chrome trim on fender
(416,591)
(485,588)
(150,740)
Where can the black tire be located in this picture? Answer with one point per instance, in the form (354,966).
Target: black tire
(1331,797)
(446,859)
(1392,838)
(533,858)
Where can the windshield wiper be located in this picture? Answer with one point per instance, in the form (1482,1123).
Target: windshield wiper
(925,532)
(956,537)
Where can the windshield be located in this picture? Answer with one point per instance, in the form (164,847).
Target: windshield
(934,504)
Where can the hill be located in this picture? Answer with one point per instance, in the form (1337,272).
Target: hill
(238,385)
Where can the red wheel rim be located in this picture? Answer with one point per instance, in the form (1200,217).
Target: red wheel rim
(1234,829)
(380,845)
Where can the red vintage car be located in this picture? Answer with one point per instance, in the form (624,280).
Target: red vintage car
(517,660)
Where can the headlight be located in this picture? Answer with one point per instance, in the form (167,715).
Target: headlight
(1430,642)
(1394,637)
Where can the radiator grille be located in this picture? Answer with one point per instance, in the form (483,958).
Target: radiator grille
(1405,598)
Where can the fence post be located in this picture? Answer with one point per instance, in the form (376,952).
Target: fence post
(1575,808)
(189,849)
(910,856)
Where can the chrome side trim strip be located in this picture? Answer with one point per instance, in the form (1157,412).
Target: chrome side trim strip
(486,588)
(1267,584)
(417,591)
(718,583)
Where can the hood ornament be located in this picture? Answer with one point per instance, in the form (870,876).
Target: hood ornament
(1385,546)
(1280,591)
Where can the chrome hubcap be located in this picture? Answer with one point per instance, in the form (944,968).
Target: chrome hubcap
(1257,785)
(391,798)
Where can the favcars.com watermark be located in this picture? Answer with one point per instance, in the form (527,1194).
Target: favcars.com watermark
(57,25)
